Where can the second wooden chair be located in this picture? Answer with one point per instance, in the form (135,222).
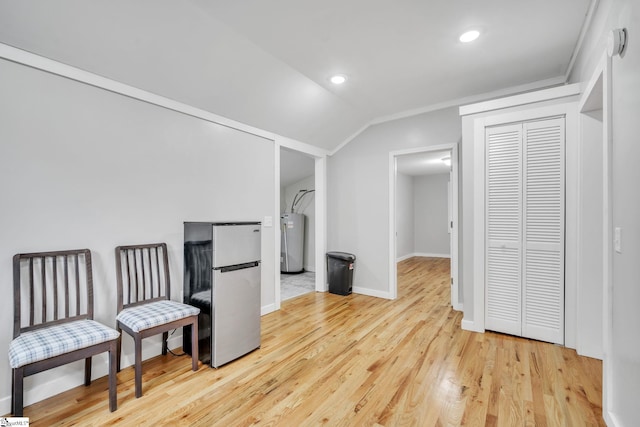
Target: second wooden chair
(144,304)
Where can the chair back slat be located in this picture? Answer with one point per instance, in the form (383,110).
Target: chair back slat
(135,278)
(42,289)
(66,286)
(158,290)
(31,292)
(119,257)
(43,274)
(143,284)
(142,274)
(77,265)
(55,291)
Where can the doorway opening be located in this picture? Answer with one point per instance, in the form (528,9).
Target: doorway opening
(297,224)
(423,209)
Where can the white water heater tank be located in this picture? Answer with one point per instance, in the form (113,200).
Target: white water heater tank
(292,243)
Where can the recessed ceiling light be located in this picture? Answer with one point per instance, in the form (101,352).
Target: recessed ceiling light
(469,36)
(338,79)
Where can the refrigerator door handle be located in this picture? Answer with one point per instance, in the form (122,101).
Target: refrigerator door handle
(238,267)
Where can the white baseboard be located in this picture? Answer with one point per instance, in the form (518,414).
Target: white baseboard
(67,380)
(594,354)
(422,254)
(431,255)
(266,309)
(458,306)
(403,257)
(469,325)
(372,292)
(72,375)
(68,377)
(152,347)
(610,419)
(5,405)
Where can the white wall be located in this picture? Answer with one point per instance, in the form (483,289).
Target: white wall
(622,357)
(625,351)
(84,167)
(358,191)
(307,207)
(405,238)
(431,193)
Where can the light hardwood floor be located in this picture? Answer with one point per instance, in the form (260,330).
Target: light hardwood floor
(357,361)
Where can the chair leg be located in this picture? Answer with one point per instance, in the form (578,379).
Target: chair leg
(16,392)
(194,345)
(138,363)
(119,346)
(165,337)
(87,371)
(113,400)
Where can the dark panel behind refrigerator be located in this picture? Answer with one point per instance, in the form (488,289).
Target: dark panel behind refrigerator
(198,249)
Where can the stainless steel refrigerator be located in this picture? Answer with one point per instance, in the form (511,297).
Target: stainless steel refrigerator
(222,278)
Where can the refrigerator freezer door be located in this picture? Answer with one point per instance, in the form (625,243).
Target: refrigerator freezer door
(235,244)
(236,323)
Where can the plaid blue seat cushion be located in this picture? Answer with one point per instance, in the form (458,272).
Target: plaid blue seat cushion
(156,313)
(202,298)
(52,341)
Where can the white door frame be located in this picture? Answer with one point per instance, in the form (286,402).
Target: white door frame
(569,111)
(320,197)
(393,172)
(593,99)
(599,90)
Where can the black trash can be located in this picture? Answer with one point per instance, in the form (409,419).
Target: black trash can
(340,269)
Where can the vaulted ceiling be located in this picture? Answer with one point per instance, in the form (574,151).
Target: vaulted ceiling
(268,63)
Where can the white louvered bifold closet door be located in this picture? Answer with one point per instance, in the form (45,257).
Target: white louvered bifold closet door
(543,252)
(524,283)
(503,293)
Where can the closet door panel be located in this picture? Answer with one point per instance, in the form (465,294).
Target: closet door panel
(543,230)
(504,229)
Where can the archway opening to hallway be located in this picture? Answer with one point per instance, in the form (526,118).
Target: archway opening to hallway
(423,209)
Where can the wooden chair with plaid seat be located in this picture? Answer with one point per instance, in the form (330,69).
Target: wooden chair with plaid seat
(144,304)
(53,319)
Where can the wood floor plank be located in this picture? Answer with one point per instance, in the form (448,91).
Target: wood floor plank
(356,360)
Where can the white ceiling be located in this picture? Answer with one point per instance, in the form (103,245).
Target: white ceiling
(267,63)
